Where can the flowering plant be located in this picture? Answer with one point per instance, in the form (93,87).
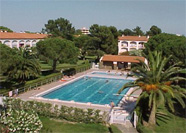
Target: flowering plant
(21,121)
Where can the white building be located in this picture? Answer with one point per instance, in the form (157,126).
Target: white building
(84,31)
(129,43)
(17,40)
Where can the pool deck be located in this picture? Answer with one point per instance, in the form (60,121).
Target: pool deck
(34,94)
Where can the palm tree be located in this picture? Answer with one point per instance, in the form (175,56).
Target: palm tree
(25,67)
(159,86)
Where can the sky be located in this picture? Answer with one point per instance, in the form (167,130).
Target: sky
(32,15)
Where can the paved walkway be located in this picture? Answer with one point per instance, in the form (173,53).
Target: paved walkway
(31,95)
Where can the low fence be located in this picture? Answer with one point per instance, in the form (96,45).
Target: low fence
(35,84)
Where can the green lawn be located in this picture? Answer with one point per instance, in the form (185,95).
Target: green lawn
(56,126)
(172,124)
(60,66)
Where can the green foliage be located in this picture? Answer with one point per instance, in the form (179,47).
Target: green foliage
(20,121)
(105,39)
(78,32)
(3,28)
(64,113)
(42,79)
(154,30)
(19,65)
(60,28)
(169,44)
(172,124)
(128,32)
(57,49)
(25,66)
(159,86)
(57,126)
(136,52)
(82,43)
(7,58)
(137,31)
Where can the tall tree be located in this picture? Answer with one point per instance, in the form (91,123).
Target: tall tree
(170,45)
(159,87)
(82,43)
(106,38)
(60,28)
(7,57)
(114,31)
(25,67)
(128,32)
(18,65)
(137,31)
(58,49)
(154,30)
(5,29)
(78,32)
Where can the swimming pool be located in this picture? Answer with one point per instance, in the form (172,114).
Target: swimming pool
(106,73)
(90,89)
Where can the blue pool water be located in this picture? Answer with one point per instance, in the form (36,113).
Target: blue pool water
(90,89)
(105,73)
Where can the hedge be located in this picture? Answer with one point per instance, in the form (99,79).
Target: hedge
(64,113)
(43,78)
(50,78)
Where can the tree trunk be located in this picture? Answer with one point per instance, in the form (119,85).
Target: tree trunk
(54,65)
(152,117)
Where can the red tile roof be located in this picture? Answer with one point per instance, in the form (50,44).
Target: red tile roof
(133,38)
(121,58)
(13,35)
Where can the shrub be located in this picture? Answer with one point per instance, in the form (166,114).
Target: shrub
(21,121)
(65,113)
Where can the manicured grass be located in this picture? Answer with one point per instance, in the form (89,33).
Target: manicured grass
(115,129)
(90,57)
(172,124)
(55,126)
(60,66)
(64,127)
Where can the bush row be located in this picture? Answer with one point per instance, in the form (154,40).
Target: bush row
(44,78)
(63,112)
(56,76)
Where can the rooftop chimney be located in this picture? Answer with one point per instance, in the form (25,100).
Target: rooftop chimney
(123,35)
(139,36)
(148,36)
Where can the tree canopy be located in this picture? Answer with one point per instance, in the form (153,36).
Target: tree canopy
(7,57)
(159,87)
(19,65)
(105,38)
(5,29)
(137,31)
(170,45)
(60,28)
(58,50)
(154,30)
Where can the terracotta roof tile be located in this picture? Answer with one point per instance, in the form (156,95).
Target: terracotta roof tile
(133,38)
(121,58)
(13,35)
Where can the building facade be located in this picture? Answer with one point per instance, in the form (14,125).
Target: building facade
(16,40)
(84,31)
(116,62)
(129,43)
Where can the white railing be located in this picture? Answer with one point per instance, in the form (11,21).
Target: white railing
(118,116)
